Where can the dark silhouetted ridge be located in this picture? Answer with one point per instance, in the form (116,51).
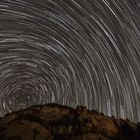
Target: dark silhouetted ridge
(58,122)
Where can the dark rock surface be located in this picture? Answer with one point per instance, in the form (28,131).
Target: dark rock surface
(57,122)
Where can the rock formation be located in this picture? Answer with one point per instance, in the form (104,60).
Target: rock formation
(57,122)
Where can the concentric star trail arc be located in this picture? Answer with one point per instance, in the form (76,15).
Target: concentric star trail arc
(72,52)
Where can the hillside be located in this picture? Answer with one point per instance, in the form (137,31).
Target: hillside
(57,122)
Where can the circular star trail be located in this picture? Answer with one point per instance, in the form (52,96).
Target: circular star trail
(71,52)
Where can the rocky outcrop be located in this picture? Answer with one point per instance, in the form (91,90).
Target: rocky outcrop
(57,122)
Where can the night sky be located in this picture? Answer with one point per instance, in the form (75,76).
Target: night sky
(71,52)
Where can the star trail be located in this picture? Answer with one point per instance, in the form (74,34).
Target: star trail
(71,52)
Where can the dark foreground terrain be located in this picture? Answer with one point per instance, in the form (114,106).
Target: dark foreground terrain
(57,122)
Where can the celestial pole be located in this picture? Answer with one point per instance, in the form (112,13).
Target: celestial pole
(71,52)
